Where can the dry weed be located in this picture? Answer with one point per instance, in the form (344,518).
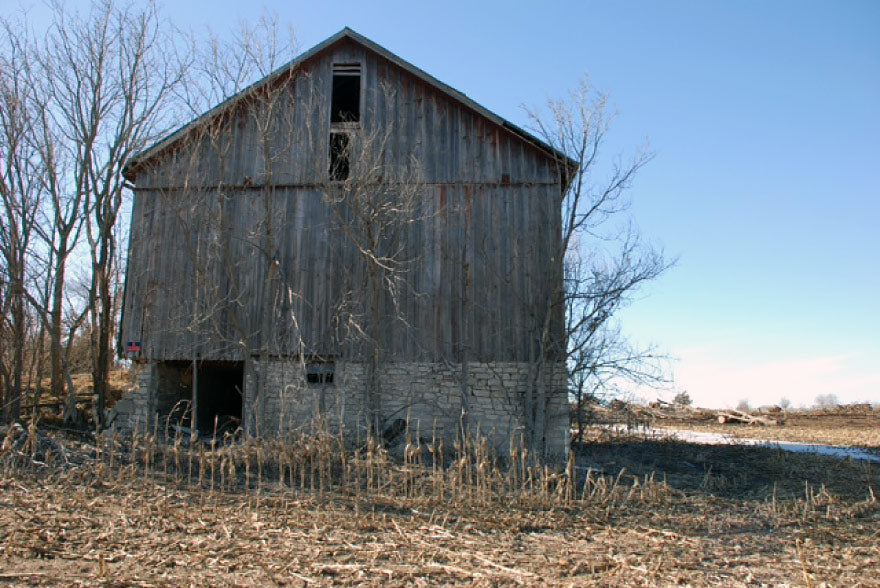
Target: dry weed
(148,511)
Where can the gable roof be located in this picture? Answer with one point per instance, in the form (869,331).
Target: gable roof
(139,159)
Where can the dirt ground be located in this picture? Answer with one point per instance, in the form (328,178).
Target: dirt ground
(831,427)
(855,425)
(70,533)
(119,382)
(678,514)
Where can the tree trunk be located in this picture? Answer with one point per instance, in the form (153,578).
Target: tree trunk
(38,387)
(541,412)
(104,360)
(72,416)
(57,385)
(5,383)
(102,322)
(373,386)
(463,347)
(13,403)
(463,320)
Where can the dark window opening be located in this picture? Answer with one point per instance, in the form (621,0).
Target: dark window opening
(339,156)
(320,372)
(345,104)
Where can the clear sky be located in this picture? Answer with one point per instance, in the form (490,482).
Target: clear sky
(765,119)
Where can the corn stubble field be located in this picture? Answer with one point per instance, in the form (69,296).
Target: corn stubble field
(625,510)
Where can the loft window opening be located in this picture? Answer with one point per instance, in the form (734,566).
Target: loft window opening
(345,102)
(340,149)
(320,372)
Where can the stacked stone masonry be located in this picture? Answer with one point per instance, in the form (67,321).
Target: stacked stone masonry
(134,409)
(425,395)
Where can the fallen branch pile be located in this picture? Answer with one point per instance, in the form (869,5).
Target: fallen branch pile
(738,416)
(636,415)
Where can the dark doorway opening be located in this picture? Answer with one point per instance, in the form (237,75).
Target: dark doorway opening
(219,386)
(174,394)
(219,396)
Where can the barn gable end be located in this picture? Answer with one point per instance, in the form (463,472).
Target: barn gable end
(203,286)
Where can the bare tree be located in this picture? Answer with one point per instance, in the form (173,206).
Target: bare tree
(829,400)
(370,191)
(369,196)
(599,358)
(20,201)
(374,194)
(683,399)
(599,262)
(39,203)
(205,189)
(220,69)
(63,193)
(107,76)
(63,219)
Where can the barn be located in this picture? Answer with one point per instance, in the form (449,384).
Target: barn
(348,243)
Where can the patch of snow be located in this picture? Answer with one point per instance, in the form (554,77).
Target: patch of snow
(704,438)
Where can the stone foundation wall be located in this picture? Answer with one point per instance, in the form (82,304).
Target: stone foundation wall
(425,395)
(159,389)
(135,408)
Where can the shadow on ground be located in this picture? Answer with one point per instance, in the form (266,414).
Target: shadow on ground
(729,471)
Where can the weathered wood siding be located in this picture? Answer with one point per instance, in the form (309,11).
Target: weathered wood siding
(235,221)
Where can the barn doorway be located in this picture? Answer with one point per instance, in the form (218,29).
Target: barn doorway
(219,398)
(218,386)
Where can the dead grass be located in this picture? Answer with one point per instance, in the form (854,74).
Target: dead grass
(732,471)
(855,425)
(308,513)
(828,428)
(82,531)
(119,382)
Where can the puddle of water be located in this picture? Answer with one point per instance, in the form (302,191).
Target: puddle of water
(704,438)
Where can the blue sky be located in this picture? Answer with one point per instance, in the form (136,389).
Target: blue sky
(765,120)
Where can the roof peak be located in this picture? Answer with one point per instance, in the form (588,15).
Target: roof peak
(346,32)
